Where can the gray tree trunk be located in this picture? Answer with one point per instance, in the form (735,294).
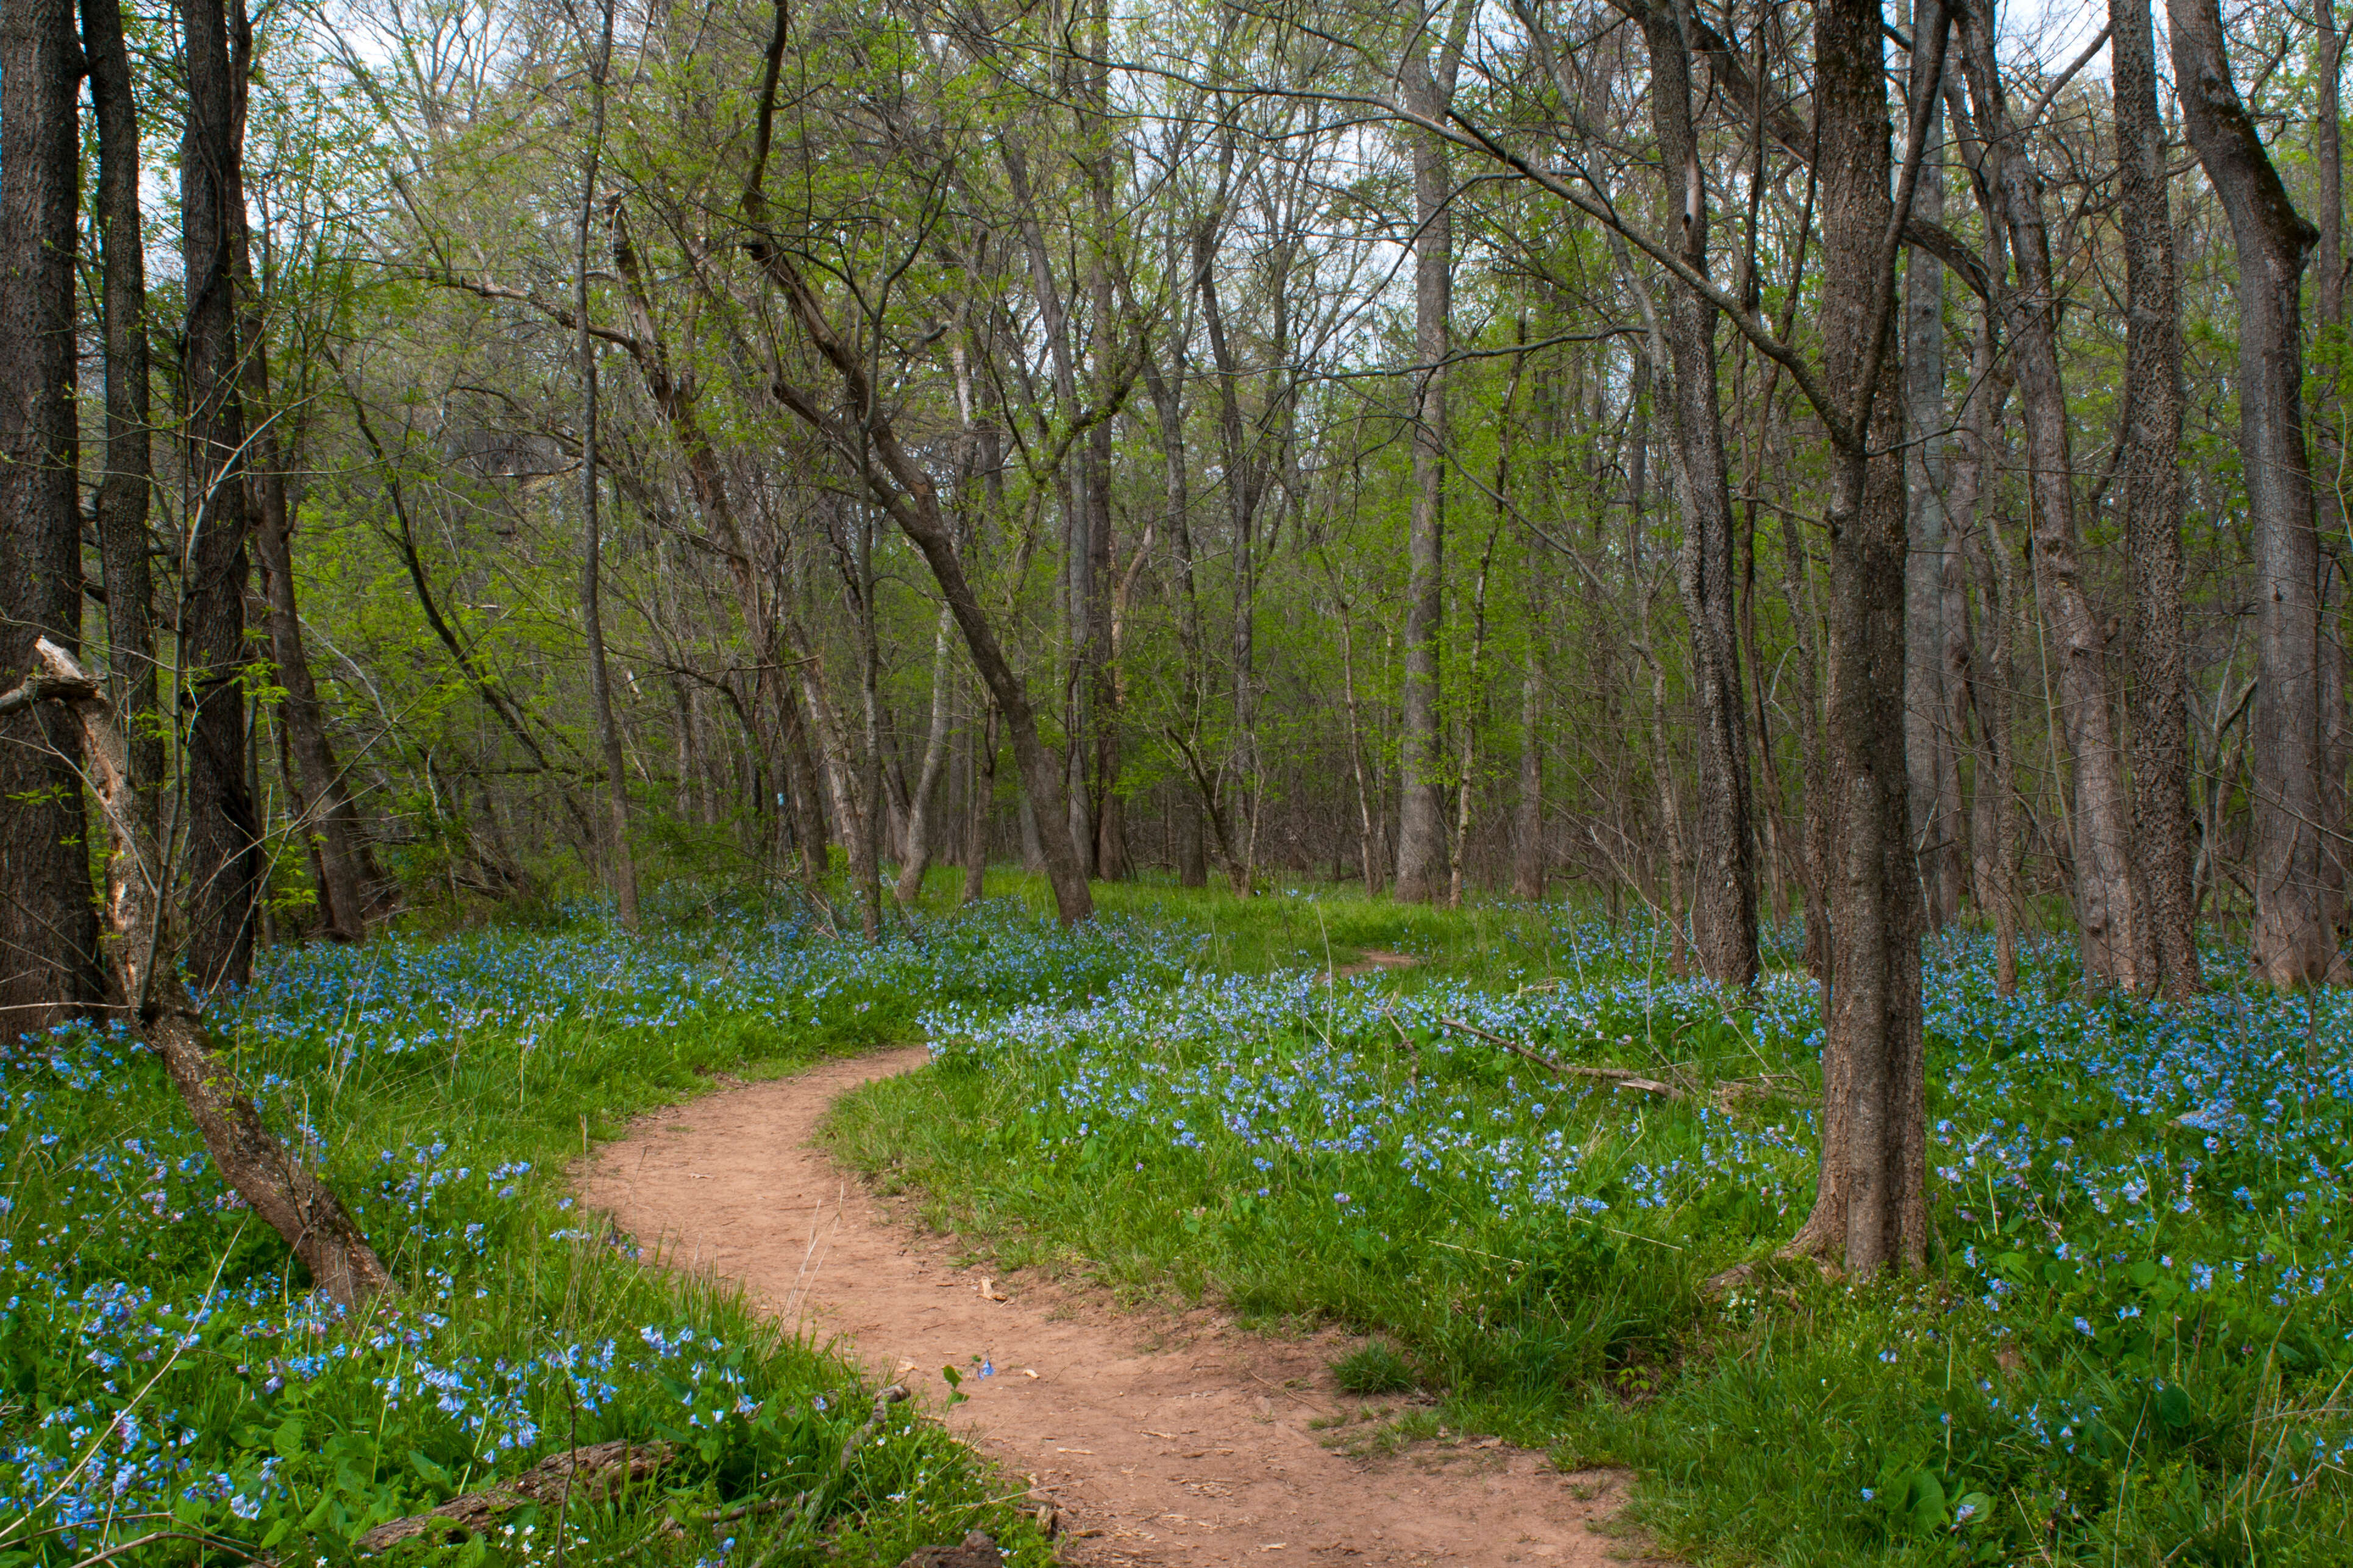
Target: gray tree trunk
(1421,808)
(1724,868)
(2164,835)
(2106,904)
(2293,943)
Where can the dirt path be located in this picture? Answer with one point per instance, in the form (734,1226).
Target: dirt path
(1162,1439)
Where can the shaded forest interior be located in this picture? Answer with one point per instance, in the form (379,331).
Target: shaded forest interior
(1868,468)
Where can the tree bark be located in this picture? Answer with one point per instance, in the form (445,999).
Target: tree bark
(223,836)
(1723,866)
(1421,812)
(2291,943)
(1871,1205)
(48,960)
(2164,835)
(621,866)
(910,885)
(2105,903)
(1927,740)
(122,500)
(143,953)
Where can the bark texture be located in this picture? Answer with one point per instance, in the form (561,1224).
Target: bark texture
(222,837)
(2163,835)
(47,931)
(126,469)
(1724,868)
(1934,782)
(1870,1207)
(2293,943)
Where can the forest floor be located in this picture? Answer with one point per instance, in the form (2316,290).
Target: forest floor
(1157,1436)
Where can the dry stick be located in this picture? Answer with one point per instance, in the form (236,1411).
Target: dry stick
(149,1540)
(1622,1078)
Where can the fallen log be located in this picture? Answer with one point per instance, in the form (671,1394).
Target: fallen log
(587,1475)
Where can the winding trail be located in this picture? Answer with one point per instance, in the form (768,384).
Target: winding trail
(1159,1438)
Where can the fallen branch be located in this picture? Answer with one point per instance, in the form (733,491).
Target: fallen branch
(143,956)
(1619,1077)
(594,1472)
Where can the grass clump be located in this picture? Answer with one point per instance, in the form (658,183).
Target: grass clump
(1374,1367)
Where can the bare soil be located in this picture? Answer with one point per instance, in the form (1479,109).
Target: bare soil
(1157,1438)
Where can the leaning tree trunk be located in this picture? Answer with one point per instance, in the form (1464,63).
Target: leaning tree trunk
(2163,835)
(49,963)
(144,953)
(325,811)
(2291,943)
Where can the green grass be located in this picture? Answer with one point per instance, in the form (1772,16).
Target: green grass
(2131,1347)
(163,1367)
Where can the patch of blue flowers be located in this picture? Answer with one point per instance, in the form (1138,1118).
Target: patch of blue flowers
(164,1368)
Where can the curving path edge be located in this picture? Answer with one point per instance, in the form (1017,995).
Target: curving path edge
(1160,1439)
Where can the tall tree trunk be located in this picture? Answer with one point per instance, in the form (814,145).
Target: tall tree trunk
(2106,904)
(982,804)
(1927,741)
(323,811)
(223,836)
(1988,681)
(910,885)
(122,500)
(2163,835)
(2336,720)
(1723,881)
(2291,943)
(1871,1205)
(1107,854)
(621,868)
(1422,821)
(48,939)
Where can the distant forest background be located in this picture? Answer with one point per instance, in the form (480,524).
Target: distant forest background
(1740,462)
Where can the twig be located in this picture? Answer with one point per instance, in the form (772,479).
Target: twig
(1622,1078)
(150,1539)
